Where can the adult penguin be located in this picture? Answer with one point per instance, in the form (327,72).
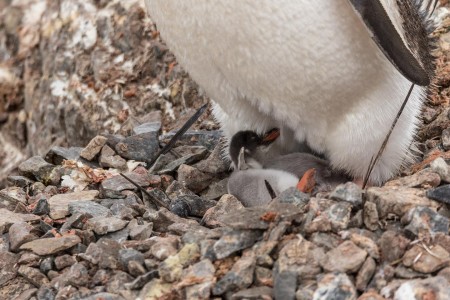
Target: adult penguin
(330,74)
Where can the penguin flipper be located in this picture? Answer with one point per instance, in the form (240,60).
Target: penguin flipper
(390,41)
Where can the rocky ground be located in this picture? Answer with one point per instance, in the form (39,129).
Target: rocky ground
(73,228)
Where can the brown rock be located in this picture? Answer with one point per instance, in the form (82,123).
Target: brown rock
(347,257)
(48,246)
(426,261)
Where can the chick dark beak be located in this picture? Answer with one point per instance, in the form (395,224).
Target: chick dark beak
(270,136)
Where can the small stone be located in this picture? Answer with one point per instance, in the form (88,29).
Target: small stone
(349,192)
(59,203)
(7,218)
(48,246)
(339,215)
(327,241)
(127,255)
(163,219)
(367,244)
(397,200)
(347,257)
(239,277)
(441,194)
(89,208)
(78,275)
(216,190)
(171,268)
(263,276)
(293,196)
(198,154)
(117,282)
(235,240)
(46,293)
(8,266)
(104,253)
(193,179)
(430,288)
(36,168)
(164,248)
(205,138)
(42,207)
(19,181)
(203,270)
(29,259)
(440,167)
(392,246)
(155,289)
(109,159)
(423,261)
(19,234)
(47,264)
(64,261)
(102,225)
(141,232)
(425,220)
(140,147)
(119,183)
(93,148)
(370,216)
(197,206)
(335,286)
(256,293)
(365,274)
(446,139)
(28,294)
(10,197)
(57,155)
(407,273)
(141,280)
(214,164)
(422,179)
(33,276)
(147,127)
(227,203)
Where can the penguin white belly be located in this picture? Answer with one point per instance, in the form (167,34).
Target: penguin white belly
(310,66)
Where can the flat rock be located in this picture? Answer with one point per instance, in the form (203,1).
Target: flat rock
(423,261)
(193,178)
(147,127)
(216,190)
(425,220)
(102,225)
(235,240)
(440,167)
(94,147)
(441,194)
(8,266)
(20,233)
(392,246)
(425,178)
(36,167)
(239,277)
(140,147)
(48,246)
(59,204)
(295,197)
(7,218)
(215,163)
(109,159)
(365,274)
(118,183)
(227,203)
(397,200)
(89,208)
(349,192)
(207,139)
(256,293)
(347,257)
(33,276)
(11,196)
(198,154)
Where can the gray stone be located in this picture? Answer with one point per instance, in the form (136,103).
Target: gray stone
(349,192)
(33,276)
(93,148)
(441,194)
(19,234)
(193,179)
(171,268)
(102,225)
(127,255)
(370,216)
(48,246)
(140,147)
(59,204)
(339,215)
(37,168)
(78,275)
(441,167)
(19,181)
(7,218)
(256,293)
(293,196)
(141,232)
(47,264)
(147,127)
(198,154)
(109,159)
(64,261)
(425,220)
(239,277)
(235,240)
(421,260)
(347,257)
(10,197)
(215,163)
(104,253)
(118,183)
(215,190)
(89,208)
(227,203)
(335,286)
(425,178)
(208,139)
(435,287)
(42,207)
(8,266)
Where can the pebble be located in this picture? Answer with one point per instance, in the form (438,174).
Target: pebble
(7,218)
(392,246)
(94,147)
(295,197)
(441,194)
(109,159)
(193,178)
(239,277)
(56,155)
(19,234)
(128,255)
(139,147)
(34,276)
(349,192)
(42,207)
(118,183)
(64,261)
(440,167)
(10,197)
(335,286)
(430,288)
(370,216)
(8,266)
(425,220)
(141,232)
(48,246)
(103,225)
(89,208)
(346,258)
(19,181)
(171,268)
(365,274)
(215,190)
(227,203)
(207,139)
(59,204)
(37,168)
(235,240)
(196,154)
(256,293)
(421,260)
(425,178)
(339,215)
(214,164)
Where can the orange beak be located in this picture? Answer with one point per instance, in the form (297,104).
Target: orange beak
(271,135)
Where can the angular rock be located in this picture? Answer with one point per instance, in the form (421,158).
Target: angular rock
(193,179)
(118,183)
(94,147)
(7,218)
(89,208)
(227,203)
(365,274)
(59,204)
(10,197)
(293,196)
(208,139)
(36,168)
(109,159)
(104,253)
(349,192)
(19,234)
(392,246)
(370,216)
(140,147)
(42,207)
(347,257)
(64,261)
(235,240)
(8,266)
(239,277)
(397,200)
(440,167)
(147,127)
(441,194)
(78,275)
(155,289)
(48,246)
(197,154)
(204,271)
(425,220)
(19,181)
(127,255)
(256,293)
(57,155)
(102,225)
(421,260)
(214,164)
(425,178)
(335,286)
(339,215)
(141,232)
(171,268)
(434,287)
(216,190)
(33,276)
